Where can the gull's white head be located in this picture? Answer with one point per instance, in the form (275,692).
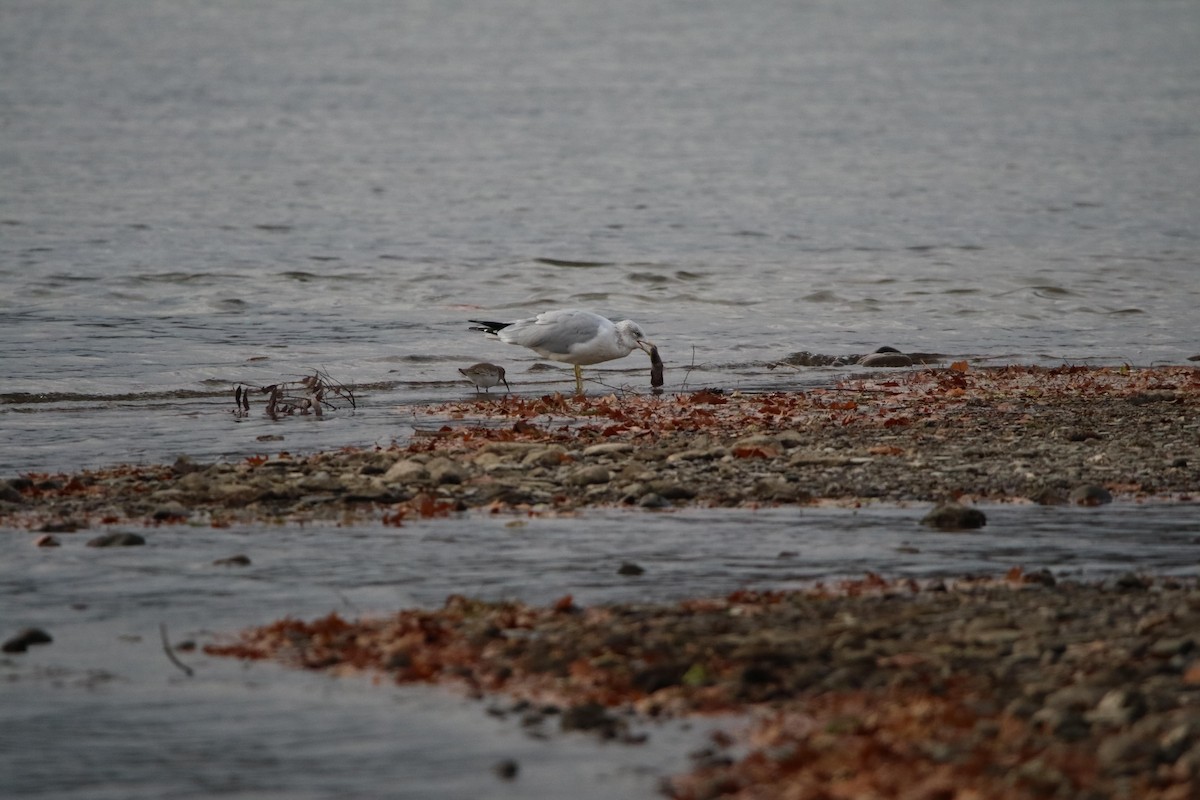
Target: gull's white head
(629,333)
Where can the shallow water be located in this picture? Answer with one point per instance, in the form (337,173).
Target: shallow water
(196,194)
(135,726)
(200,193)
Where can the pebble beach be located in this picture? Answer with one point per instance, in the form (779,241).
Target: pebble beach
(1014,685)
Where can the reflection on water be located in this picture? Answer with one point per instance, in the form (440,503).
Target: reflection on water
(135,726)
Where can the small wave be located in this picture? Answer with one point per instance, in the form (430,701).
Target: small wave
(44,398)
(648,277)
(299,275)
(182,277)
(559,262)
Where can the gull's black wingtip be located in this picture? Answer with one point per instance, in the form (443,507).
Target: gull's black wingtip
(488,327)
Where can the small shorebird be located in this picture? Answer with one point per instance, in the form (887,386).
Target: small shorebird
(571,336)
(485,376)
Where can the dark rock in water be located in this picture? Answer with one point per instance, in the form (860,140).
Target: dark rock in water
(117,540)
(629,568)
(233,561)
(46,540)
(591,717)
(952,517)
(1090,495)
(885,357)
(506,769)
(29,636)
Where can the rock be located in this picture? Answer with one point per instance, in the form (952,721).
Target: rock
(1132,582)
(1124,753)
(671,490)
(607,448)
(321,481)
(233,561)
(591,717)
(443,471)
(1168,647)
(1118,708)
(1049,496)
(9,493)
(1090,495)
(697,454)
(184,465)
(62,526)
(629,568)
(172,510)
(653,500)
(588,476)
(953,517)
(550,457)
(234,493)
(1073,698)
(46,540)
(761,441)
(506,769)
(1066,724)
(885,357)
(406,471)
(120,539)
(23,640)
(1175,741)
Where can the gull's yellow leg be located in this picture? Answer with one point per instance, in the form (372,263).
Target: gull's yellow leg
(578,380)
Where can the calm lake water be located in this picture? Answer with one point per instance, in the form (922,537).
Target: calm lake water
(195,194)
(200,193)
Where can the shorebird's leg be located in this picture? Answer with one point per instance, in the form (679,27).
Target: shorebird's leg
(578,380)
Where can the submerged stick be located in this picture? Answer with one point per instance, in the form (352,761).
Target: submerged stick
(166,643)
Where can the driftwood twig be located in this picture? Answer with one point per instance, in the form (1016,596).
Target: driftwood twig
(166,643)
(312,394)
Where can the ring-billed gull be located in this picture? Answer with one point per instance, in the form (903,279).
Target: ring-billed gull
(485,376)
(571,336)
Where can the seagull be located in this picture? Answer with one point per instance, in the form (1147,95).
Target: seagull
(485,376)
(571,336)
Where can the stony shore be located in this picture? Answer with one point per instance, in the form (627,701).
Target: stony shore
(1012,686)
(1014,434)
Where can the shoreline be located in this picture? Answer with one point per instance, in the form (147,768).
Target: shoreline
(1007,434)
(1009,686)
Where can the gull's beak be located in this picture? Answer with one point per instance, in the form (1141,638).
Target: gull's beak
(645,345)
